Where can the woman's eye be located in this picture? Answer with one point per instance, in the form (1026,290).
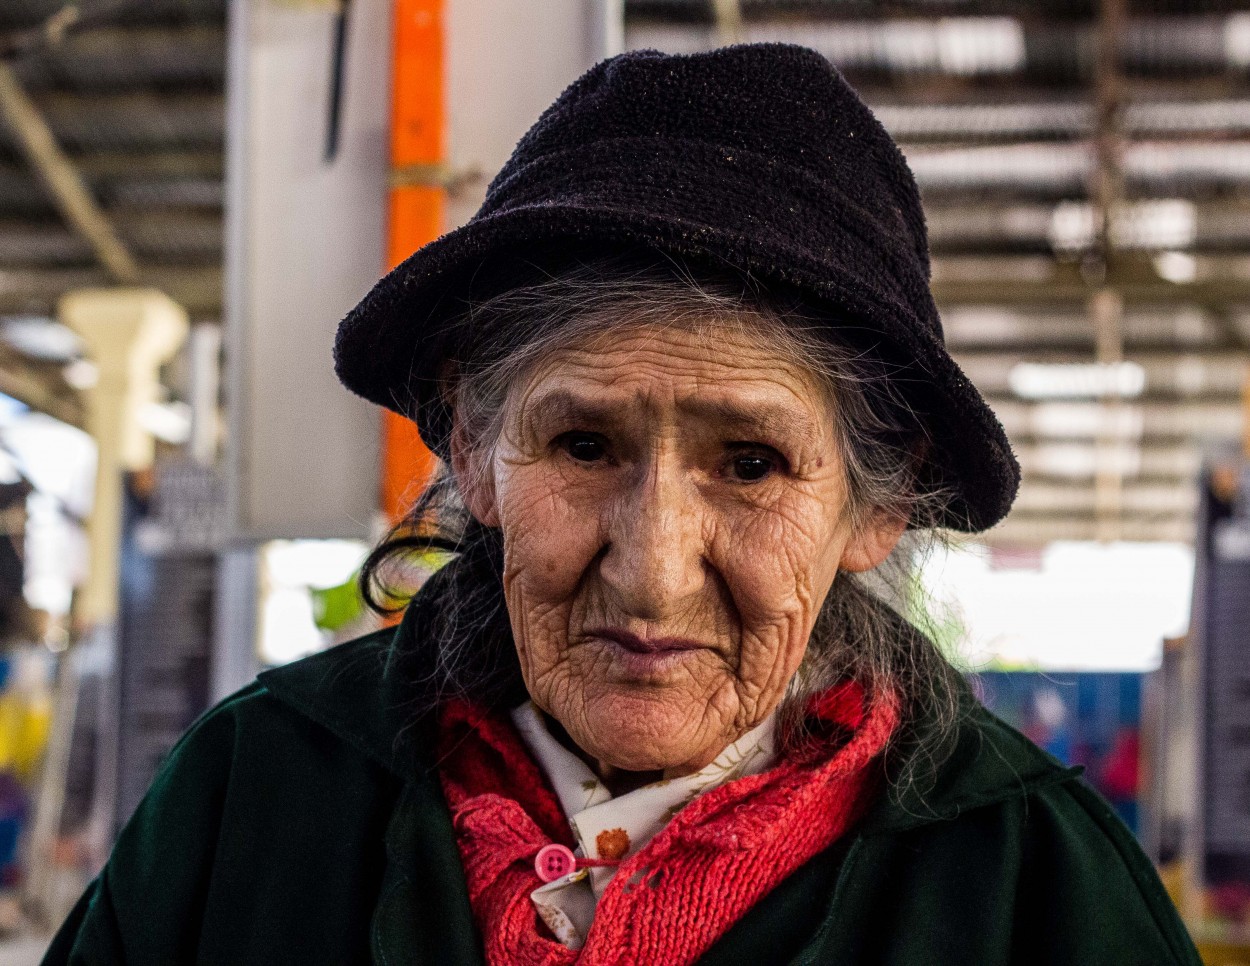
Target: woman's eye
(583,447)
(750,468)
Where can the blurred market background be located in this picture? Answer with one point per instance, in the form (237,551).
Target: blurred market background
(192,192)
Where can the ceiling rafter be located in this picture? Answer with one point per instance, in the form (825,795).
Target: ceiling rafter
(62,180)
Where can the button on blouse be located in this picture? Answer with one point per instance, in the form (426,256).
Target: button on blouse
(614,828)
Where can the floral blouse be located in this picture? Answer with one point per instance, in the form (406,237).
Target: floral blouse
(615,828)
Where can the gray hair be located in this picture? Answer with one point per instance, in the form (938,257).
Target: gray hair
(857,634)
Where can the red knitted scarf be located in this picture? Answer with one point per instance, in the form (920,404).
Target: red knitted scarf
(683,890)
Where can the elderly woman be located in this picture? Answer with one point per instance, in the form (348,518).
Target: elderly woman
(691,395)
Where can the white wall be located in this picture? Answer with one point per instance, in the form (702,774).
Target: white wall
(305,239)
(507,60)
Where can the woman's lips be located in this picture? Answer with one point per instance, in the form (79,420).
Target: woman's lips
(650,645)
(651,659)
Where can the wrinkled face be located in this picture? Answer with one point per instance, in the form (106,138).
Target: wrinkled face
(674,511)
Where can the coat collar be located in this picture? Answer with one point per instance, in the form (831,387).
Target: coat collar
(988,762)
(356,691)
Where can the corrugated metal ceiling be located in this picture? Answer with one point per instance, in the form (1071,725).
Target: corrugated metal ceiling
(991,101)
(995,105)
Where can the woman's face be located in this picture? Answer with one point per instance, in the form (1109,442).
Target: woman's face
(674,511)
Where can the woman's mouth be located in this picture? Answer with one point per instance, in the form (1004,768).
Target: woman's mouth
(648,657)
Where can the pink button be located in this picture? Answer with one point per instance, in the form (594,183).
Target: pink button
(554,861)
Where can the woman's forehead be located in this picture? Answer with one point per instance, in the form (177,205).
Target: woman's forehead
(711,375)
(677,354)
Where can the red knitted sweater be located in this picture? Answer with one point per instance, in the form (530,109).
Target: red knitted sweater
(683,890)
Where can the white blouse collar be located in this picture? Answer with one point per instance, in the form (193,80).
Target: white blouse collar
(605,827)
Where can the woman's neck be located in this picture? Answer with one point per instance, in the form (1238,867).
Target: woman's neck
(618,781)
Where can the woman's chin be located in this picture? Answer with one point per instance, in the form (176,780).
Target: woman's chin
(642,735)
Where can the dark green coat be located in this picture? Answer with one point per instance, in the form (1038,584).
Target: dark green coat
(298,823)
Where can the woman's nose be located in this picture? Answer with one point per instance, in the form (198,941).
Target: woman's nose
(655,562)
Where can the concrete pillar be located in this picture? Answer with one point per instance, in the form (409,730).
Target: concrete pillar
(204,349)
(129,333)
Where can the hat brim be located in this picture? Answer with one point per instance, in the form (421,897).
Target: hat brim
(390,348)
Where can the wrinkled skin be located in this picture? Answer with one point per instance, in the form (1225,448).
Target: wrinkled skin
(677,487)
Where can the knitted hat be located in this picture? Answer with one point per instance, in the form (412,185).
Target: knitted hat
(758,158)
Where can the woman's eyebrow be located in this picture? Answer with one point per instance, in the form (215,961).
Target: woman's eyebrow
(754,419)
(563,405)
(758,418)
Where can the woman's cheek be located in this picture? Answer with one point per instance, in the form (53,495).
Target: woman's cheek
(548,542)
(779,586)
(768,562)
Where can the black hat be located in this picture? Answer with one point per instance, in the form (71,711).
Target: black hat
(759,158)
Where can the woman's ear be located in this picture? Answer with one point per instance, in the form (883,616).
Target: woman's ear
(476,481)
(868,547)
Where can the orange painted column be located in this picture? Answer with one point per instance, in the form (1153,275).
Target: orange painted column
(418,144)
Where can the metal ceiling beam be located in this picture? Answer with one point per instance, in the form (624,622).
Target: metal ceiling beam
(51,32)
(1177,168)
(1041,281)
(135,121)
(1020,120)
(120,57)
(962,91)
(140,179)
(161,236)
(135,165)
(1213,292)
(151,164)
(62,180)
(696,10)
(1110,498)
(197,289)
(86,103)
(1062,328)
(1143,225)
(33,243)
(932,46)
(20,20)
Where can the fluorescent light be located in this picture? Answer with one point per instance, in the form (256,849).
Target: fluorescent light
(1072,226)
(965,46)
(980,45)
(169,422)
(1056,165)
(1161,223)
(1079,461)
(40,338)
(1178,267)
(81,374)
(1237,40)
(1084,419)
(1094,380)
